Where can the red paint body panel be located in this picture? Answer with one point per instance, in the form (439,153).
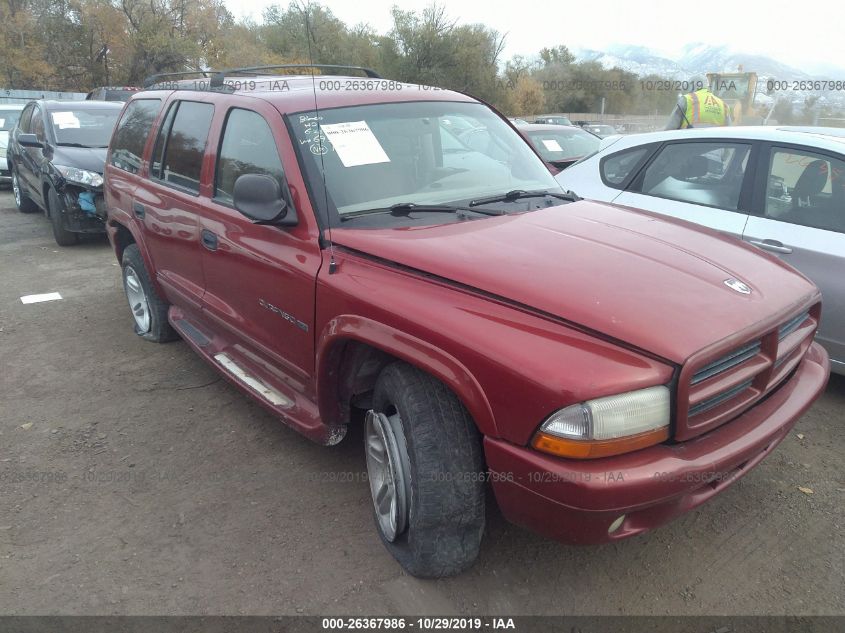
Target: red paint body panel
(617,272)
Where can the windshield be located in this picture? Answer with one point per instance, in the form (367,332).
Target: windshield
(600,130)
(8,118)
(563,144)
(420,153)
(84,127)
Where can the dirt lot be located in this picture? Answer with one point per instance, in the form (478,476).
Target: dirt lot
(136,481)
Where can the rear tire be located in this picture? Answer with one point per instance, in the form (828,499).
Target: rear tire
(148,309)
(432,459)
(22,202)
(57,219)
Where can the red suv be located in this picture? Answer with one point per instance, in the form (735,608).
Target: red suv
(333,248)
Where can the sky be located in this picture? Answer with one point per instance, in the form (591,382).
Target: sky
(789,32)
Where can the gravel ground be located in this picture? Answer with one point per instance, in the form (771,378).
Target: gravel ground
(136,481)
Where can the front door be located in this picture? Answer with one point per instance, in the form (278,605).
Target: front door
(260,280)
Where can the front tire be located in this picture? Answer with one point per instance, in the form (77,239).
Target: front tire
(57,219)
(425,468)
(22,202)
(148,309)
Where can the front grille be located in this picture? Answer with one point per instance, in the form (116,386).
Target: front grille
(723,387)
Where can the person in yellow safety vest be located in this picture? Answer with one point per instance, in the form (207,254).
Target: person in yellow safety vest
(699,109)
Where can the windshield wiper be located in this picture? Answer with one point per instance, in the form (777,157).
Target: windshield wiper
(81,145)
(404,209)
(518,194)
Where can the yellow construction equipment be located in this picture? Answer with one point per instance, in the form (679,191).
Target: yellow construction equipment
(737,90)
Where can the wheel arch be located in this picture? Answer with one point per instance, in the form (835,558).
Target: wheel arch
(352,351)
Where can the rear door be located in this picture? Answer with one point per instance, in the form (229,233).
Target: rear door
(260,280)
(800,217)
(29,162)
(168,203)
(703,181)
(126,152)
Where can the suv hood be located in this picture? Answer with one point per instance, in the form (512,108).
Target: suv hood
(653,282)
(88,158)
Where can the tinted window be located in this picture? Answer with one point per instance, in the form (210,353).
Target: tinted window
(26,118)
(806,188)
(247,148)
(709,174)
(8,118)
(37,123)
(185,145)
(617,167)
(83,126)
(132,133)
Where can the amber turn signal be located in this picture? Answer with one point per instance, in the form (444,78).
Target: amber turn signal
(591,449)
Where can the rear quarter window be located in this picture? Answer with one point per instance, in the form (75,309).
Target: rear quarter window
(132,132)
(181,144)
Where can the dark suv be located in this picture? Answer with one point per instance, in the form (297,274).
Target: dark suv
(334,249)
(56,155)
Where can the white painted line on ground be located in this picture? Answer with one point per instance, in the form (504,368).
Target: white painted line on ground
(50,296)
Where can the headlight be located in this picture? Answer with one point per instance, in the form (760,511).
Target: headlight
(80,176)
(607,426)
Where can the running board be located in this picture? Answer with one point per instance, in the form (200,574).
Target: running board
(239,373)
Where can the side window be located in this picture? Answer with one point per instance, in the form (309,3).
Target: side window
(806,188)
(37,123)
(25,119)
(709,174)
(247,147)
(132,132)
(181,150)
(617,167)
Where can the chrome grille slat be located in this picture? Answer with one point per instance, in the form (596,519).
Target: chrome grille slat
(718,399)
(790,326)
(726,362)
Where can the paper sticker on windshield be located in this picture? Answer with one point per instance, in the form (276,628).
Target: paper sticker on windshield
(552,145)
(355,143)
(2,122)
(65,120)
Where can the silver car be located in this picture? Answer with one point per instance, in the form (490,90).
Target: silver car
(9,115)
(779,188)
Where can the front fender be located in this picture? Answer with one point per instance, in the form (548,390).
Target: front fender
(415,351)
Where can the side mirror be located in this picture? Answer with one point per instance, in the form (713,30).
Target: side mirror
(29,140)
(259,197)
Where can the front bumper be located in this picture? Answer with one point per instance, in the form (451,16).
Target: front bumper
(576,501)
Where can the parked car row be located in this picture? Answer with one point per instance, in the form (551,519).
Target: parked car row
(405,260)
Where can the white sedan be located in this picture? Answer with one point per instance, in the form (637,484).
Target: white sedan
(779,188)
(9,115)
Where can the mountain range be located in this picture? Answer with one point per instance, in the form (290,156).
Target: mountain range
(696,59)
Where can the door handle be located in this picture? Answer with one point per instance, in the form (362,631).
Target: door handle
(772,245)
(209,240)
(138,210)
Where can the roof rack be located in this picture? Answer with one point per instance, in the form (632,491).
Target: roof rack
(369,72)
(216,77)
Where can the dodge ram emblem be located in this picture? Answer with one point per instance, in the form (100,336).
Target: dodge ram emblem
(736,284)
